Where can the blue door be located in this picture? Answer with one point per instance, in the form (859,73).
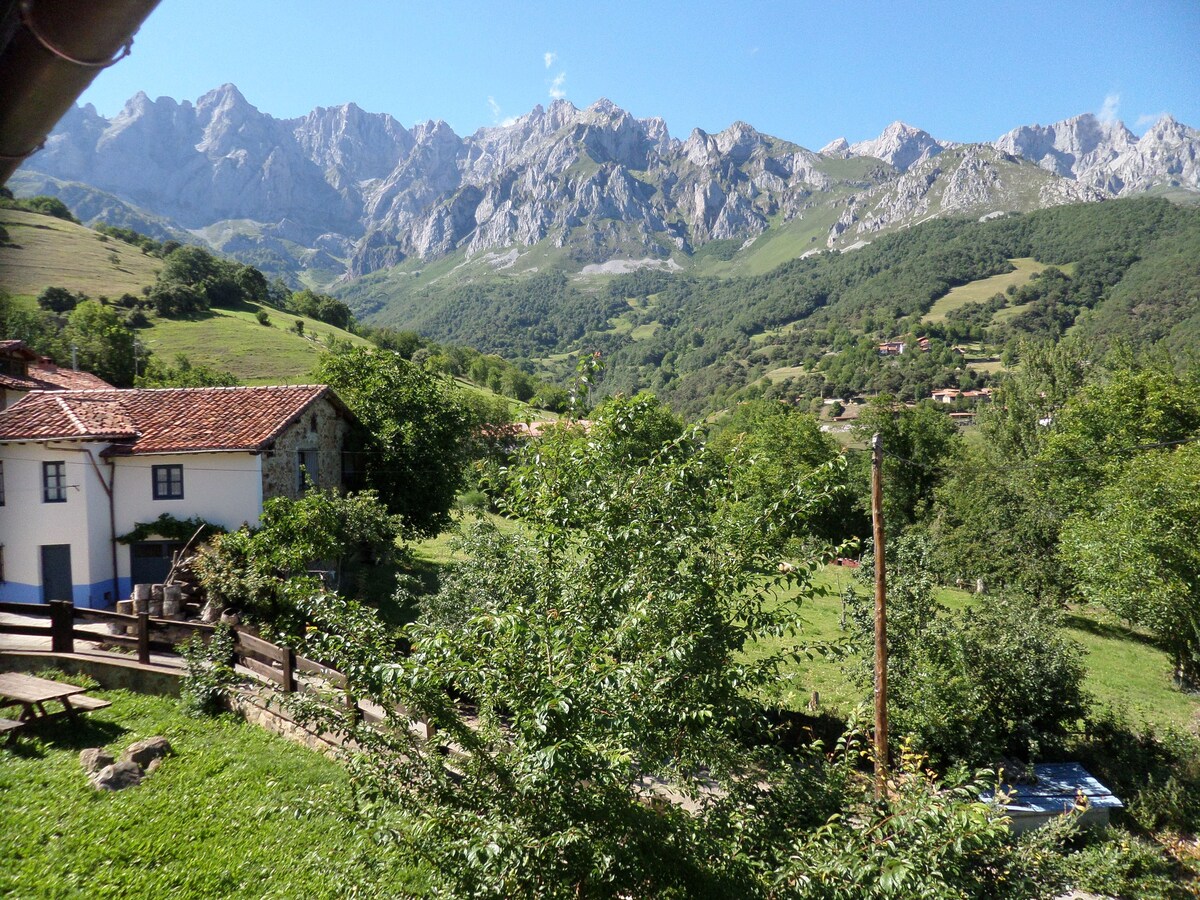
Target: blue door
(56,572)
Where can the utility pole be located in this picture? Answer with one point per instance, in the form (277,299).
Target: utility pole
(881,720)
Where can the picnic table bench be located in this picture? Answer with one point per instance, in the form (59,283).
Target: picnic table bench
(32,693)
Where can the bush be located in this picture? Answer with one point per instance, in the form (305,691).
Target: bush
(210,678)
(473,501)
(1000,679)
(1156,775)
(1114,863)
(264,318)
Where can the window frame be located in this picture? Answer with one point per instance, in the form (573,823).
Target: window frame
(168,487)
(54,481)
(1,496)
(303,474)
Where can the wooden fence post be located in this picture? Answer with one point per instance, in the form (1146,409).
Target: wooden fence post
(62,626)
(143,638)
(289,667)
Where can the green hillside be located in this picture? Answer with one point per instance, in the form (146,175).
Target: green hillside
(234,341)
(44,251)
(810,326)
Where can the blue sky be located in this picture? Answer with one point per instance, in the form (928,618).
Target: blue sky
(804,71)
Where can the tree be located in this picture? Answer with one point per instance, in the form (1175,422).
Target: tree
(919,443)
(771,447)
(260,571)
(190,265)
(418,432)
(573,663)
(184,373)
(593,728)
(58,299)
(966,688)
(101,342)
(1137,550)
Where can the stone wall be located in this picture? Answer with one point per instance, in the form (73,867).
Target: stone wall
(321,428)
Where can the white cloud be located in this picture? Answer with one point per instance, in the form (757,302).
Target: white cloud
(754,51)
(1150,119)
(550,58)
(557,91)
(496,112)
(1108,112)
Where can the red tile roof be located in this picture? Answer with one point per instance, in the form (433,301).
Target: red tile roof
(162,420)
(43,375)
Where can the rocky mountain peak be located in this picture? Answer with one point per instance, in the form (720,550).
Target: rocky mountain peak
(837,147)
(900,145)
(346,183)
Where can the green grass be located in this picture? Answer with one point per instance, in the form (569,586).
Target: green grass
(53,252)
(440,550)
(1125,669)
(983,289)
(237,812)
(233,340)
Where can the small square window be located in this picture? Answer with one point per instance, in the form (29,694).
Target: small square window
(54,482)
(168,482)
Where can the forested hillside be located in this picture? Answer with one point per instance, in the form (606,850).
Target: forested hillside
(1124,269)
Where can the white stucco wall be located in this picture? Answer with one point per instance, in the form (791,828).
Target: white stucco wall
(223,488)
(27,522)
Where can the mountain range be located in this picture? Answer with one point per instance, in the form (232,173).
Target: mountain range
(341,192)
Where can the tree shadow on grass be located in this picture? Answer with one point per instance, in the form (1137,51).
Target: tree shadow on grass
(61,732)
(1109,630)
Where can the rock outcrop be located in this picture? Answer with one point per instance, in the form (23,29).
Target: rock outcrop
(341,188)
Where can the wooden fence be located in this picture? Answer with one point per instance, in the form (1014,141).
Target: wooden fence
(281,667)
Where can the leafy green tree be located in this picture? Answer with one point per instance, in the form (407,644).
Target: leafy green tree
(253,569)
(594,653)
(1126,404)
(1137,550)
(183,373)
(919,445)
(771,447)
(102,343)
(190,265)
(57,299)
(966,688)
(418,432)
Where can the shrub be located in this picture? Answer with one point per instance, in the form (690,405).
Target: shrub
(1114,863)
(210,677)
(1157,775)
(998,679)
(264,318)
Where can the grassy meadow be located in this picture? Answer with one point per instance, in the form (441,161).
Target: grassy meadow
(236,812)
(984,289)
(234,341)
(44,251)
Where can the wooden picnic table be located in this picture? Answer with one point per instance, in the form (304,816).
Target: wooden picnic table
(31,693)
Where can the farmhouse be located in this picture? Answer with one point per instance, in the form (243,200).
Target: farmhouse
(78,469)
(22,371)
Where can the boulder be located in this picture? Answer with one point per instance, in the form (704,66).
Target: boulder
(144,752)
(94,759)
(118,776)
